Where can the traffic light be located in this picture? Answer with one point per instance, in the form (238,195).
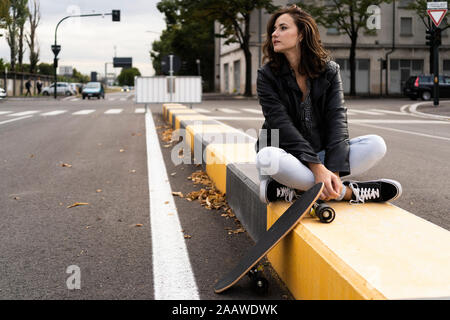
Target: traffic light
(116,15)
(430,37)
(437,37)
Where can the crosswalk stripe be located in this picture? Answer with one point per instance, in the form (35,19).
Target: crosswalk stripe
(202,110)
(113,111)
(83,112)
(75,99)
(25,113)
(5,112)
(256,111)
(53,113)
(226,110)
(139,110)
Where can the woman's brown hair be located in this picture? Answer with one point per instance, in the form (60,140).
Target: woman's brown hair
(313,55)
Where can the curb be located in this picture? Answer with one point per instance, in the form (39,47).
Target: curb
(413,110)
(371,251)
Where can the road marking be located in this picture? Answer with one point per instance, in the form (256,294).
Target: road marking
(113,111)
(172,273)
(83,112)
(5,112)
(403,131)
(397,121)
(111,99)
(390,112)
(367,112)
(256,111)
(239,118)
(123,99)
(6,121)
(202,110)
(53,113)
(139,110)
(226,110)
(75,99)
(25,113)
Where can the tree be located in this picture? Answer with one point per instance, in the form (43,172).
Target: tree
(46,69)
(126,76)
(17,15)
(188,38)
(34,19)
(23,13)
(348,17)
(234,17)
(4,13)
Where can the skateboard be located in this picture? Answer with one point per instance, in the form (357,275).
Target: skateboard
(275,234)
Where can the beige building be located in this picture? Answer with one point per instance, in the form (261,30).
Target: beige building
(400,40)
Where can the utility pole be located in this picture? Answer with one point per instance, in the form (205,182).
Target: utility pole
(57,48)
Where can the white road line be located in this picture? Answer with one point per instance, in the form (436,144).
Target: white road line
(111,99)
(25,113)
(139,110)
(15,119)
(349,113)
(367,112)
(226,110)
(403,131)
(390,112)
(255,111)
(5,112)
(172,273)
(75,99)
(83,112)
(202,110)
(387,121)
(238,118)
(113,111)
(53,113)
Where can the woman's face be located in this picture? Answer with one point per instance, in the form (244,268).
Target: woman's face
(285,35)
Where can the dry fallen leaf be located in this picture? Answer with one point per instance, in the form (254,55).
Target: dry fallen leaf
(177,194)
(77,204)
(139,225)
(66,165)
(186,236)
(98,190)
(132,171)
(122,150)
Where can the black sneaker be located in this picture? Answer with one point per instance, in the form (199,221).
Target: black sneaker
(381,190)
(270,191)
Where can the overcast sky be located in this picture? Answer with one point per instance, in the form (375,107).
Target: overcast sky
(87,43)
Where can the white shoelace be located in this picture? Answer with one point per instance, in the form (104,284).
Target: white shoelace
(286,192)
(363,194)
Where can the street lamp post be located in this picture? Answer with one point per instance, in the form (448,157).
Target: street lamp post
(57,48)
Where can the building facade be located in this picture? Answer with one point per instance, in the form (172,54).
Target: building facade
(400,41)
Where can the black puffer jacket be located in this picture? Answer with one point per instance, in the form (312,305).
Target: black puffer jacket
(280,99)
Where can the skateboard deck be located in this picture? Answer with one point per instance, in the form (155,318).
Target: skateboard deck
(275,234)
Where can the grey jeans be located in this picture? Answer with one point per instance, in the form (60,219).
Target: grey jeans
(365,152)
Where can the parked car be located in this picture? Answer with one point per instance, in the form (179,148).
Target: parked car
(93,89)
(63,88)
(3,93)
(422,87)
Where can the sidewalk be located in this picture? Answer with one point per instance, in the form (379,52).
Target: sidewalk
(442,110)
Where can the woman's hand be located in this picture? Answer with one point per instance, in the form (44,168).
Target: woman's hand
(332,183)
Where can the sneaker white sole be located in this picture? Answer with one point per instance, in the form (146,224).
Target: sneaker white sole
(263,191)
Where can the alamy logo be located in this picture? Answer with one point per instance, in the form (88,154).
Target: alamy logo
(374,20)
(74,281)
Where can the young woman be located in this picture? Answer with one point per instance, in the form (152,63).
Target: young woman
(300,91)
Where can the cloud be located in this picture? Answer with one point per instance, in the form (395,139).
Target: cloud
(88,42)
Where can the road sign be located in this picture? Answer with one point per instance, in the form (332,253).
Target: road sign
(437,11)
(56,49)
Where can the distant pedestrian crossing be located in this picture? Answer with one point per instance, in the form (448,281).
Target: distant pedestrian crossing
(83,112)
(350,112)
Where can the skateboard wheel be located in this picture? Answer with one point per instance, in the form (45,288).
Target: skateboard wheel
(325,213)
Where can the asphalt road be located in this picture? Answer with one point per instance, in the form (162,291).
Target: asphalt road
(55,154)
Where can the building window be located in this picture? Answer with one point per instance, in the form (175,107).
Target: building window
(333,30)
(226,77)
(406,26)
(404,3)
(446,67)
